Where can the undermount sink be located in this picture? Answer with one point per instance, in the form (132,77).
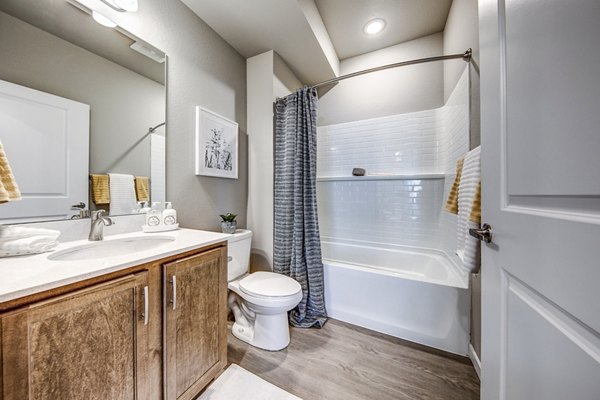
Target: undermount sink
(110,248)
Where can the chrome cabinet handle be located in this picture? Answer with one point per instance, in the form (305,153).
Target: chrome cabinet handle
(145,314)
(484,234)
(174,298)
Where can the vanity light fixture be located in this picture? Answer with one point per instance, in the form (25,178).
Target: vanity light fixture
(374,26)
(99,9)
(149,51)
(103,20)
(122,5)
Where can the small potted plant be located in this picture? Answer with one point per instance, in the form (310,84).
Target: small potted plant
(229,224)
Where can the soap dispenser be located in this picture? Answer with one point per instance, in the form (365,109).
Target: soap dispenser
(153,217)
(169,215)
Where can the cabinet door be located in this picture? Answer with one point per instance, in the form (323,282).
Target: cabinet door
(90,344)
(195,322)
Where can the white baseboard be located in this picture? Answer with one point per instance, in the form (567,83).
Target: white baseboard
(475,360)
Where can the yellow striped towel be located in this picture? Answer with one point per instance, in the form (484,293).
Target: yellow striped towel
(9,190)
(475,215)
(100,189)
(141,188)
(452,202)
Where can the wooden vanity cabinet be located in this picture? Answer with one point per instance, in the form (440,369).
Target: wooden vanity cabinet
(195,322)
(122,336)
(89,344)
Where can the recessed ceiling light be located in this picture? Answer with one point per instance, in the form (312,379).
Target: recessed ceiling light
(102,20)
(374,26)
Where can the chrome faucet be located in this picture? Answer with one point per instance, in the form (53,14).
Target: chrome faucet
(97,227)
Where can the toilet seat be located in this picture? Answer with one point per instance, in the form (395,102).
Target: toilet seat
(269,284)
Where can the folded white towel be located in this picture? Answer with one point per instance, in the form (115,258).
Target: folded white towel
(468,248)
(11,232)
(30,245)
(122,194)
(19,240)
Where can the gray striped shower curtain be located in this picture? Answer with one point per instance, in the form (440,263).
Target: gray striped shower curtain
(297,245)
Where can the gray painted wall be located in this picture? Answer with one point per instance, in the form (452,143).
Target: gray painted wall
(268,77)
(394,91)
(460,33)
(260,159)
(202,70)
(284,80)
(123,104)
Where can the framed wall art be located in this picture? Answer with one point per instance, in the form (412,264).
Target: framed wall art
(216,145)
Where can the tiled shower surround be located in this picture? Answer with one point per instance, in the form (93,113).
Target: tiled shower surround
(407,211)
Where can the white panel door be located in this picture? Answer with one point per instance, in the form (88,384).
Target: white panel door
(46,139)
(540,116)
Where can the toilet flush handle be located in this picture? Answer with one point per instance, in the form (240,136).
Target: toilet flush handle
(230,259)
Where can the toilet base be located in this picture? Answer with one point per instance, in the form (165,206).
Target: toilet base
(268,332)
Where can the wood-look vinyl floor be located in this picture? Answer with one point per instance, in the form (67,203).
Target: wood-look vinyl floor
(345,362)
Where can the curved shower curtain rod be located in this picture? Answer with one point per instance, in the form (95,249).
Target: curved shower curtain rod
(466,56)
(151,130)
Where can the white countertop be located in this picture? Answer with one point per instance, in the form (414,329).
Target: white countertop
(26,275)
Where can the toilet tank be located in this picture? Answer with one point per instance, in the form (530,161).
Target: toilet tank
(238,254)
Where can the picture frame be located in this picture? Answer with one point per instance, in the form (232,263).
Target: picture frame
(216,145)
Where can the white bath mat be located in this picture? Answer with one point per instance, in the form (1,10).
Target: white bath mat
(238,384)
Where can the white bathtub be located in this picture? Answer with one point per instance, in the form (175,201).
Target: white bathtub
(414,294)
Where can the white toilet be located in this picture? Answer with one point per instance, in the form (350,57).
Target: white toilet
(259,301)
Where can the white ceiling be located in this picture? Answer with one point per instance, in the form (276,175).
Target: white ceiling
(406,20)
(285,26)
(255,26)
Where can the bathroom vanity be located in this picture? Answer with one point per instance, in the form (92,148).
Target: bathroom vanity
(145,324)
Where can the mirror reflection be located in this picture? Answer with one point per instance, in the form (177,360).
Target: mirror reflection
(82,113)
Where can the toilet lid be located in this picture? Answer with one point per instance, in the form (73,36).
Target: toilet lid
(269,284)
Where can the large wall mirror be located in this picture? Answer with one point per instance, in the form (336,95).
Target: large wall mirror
(82,113)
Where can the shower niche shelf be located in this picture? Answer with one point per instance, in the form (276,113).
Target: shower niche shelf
(382,177)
